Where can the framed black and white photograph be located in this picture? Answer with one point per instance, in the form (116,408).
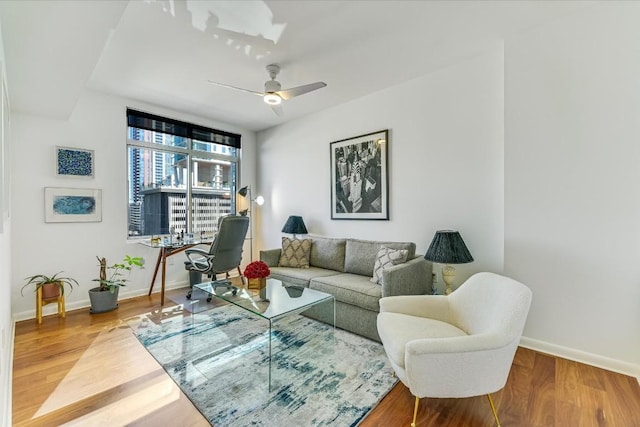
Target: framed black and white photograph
(72,205)
(74,162)
(359,177)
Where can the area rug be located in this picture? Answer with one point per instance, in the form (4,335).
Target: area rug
(320,376)
(197,303)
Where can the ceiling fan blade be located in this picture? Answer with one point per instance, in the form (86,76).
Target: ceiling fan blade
(237,88)
(278,110)
(300,90)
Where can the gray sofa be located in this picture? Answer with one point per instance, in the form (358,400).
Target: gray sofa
(344,267)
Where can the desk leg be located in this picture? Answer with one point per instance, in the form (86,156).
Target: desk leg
(164,272)
(155,272)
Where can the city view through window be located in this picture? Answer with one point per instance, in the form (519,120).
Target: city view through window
(177,184)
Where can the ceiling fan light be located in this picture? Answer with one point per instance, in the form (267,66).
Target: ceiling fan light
(272,99)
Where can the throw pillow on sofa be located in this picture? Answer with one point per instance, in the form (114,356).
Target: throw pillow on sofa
(295,253)
(386,258)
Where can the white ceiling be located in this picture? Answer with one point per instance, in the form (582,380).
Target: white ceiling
(164,52)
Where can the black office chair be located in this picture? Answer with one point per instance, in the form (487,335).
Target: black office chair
(225,253)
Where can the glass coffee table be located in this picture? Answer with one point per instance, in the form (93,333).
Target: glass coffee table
(282,300)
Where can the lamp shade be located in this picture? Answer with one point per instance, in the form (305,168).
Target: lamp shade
(243,191)
(295,225)
(447,247)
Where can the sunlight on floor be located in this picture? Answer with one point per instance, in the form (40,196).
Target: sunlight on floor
(98,381)
(158,392)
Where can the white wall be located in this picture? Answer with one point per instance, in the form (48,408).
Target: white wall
(98,123)
(445,162)
(572,143)
(6,325)
(6,320)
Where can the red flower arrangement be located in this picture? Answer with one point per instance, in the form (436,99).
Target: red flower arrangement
(257,270)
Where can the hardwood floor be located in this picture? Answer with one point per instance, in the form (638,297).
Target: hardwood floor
(90,370)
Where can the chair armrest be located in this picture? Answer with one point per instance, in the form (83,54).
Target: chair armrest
(199,258)
(458,366)
(197,254)
(199,251)
(464,344)
(431,306)
(410,278)
(271,257)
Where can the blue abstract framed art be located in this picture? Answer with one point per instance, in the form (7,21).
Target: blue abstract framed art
(72,204)
(74,162)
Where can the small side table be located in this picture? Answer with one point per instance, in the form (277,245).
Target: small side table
(40,302)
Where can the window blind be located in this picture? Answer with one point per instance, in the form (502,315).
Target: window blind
(141,120)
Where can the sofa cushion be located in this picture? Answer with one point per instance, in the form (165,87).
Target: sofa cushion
(360,255)
(295,253)
(327,253)
(386,258)
(299,276)
(351,289)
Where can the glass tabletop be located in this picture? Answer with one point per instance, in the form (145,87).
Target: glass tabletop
(159,243)
(281,299)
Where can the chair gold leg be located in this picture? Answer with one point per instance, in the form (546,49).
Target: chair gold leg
(493,409)
(415,412)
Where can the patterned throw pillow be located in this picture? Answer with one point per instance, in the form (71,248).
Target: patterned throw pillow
(386,258)
(295,253)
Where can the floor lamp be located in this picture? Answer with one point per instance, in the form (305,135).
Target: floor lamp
(246,193)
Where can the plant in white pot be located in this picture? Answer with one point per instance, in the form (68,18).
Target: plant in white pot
(105,297)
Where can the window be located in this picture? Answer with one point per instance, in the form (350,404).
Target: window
(181,175)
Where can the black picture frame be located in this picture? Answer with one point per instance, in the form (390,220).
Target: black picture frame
(360,177)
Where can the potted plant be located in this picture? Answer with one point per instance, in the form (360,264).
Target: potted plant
(49,289)
(105,297)
(52,286)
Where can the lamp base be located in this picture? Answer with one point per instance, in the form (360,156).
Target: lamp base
(448,273)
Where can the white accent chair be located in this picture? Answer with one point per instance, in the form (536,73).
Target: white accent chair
(458,345)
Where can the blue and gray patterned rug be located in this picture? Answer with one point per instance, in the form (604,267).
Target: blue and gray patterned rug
(219,358)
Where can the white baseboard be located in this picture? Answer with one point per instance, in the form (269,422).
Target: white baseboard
(85,303)
(592,359)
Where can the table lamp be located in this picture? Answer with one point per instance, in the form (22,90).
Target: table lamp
(447,247)
(294,225)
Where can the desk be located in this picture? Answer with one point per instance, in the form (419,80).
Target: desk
(166,250)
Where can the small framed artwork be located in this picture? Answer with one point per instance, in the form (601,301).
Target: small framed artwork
(72,205)
(74,162)
(359,177)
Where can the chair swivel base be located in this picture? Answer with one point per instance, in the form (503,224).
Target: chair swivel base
(215,284)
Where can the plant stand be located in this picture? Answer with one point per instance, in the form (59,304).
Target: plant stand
(43,300)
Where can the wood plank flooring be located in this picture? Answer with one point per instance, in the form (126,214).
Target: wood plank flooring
(89,370)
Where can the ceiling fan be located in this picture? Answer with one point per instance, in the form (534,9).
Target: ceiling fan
(273,93)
